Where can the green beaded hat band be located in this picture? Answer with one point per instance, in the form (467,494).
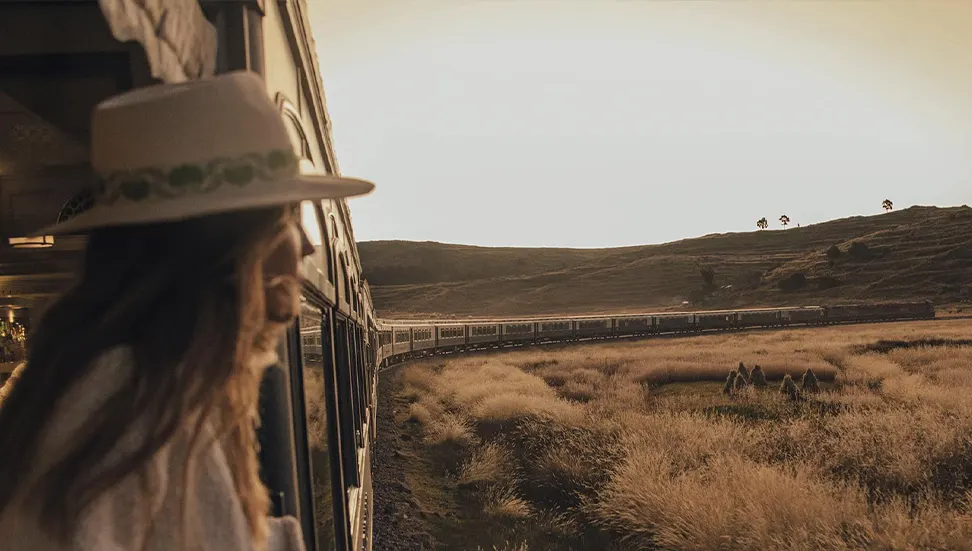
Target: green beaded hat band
(175,151)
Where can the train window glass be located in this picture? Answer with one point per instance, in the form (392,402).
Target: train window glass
(347,398)
(358,377)
(316,411)
(328,255)
(314,265)
(345,280)
(13,341)
(363,388)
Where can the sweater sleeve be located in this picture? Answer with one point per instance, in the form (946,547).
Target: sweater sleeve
(285,535)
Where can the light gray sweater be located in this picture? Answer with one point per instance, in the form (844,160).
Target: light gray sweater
(119,519)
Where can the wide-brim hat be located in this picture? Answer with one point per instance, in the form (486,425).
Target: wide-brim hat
(170,152)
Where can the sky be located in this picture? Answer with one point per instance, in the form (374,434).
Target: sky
(602,123)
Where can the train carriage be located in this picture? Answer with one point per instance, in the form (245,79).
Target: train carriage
(758,318)
(384,343)
(633,325)
(674,322)
(842,312)
(450,335)
(554,329)
(401,340)
(423,338)
(592,328)
(482,333)
(715,320)
(805,314)
(518,331)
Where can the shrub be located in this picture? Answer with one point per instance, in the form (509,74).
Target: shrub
(793,282)
(739,384)
(788,388)
(743,372)
(809,383)
(833,252)
(758,378)
(730,383)
(859,251)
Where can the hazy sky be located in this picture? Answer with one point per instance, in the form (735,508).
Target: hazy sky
(592,123)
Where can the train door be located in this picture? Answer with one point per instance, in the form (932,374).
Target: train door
(318,443)
(346,403)
(356,456)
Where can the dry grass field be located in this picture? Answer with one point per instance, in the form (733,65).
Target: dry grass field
(635,445)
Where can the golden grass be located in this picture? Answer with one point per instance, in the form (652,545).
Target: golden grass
(636,440)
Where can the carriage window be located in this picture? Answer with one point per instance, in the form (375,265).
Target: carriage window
(313,264)
(316,410)
(345,281)
(13,341)
(13,348)
(297,137)
(328,256)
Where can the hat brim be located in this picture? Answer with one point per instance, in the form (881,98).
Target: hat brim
(294,190)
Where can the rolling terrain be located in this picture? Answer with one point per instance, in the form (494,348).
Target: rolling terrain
(915,253)
(841,438)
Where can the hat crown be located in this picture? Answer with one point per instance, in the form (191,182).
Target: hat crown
(189,123)
(174,151)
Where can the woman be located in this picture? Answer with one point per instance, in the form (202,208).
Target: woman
(132,428)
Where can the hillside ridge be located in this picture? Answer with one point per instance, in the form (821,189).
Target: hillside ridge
(920,252)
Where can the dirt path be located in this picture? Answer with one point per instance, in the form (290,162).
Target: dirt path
(399,525)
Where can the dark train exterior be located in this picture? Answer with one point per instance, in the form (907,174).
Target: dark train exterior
(58,59)
(396,340)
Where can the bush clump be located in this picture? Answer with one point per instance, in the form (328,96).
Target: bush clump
(809,383)
(743,372)
(758,378)
(730,382)
(793,282)
(859,251)
(788,388)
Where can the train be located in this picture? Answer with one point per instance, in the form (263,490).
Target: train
(318,405)
(57,61)
(403,340)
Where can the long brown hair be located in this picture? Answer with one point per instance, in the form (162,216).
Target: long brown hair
(187,298)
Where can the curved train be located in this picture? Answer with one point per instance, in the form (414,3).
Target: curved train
(58,59)
(400,340)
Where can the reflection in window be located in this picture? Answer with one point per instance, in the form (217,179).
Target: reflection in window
(312,350)
(13,340)
(328,256)
(308,217)
(314,267)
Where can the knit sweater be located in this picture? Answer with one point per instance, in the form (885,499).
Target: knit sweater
(118,520)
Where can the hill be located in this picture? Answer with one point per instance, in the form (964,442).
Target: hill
(915,253)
